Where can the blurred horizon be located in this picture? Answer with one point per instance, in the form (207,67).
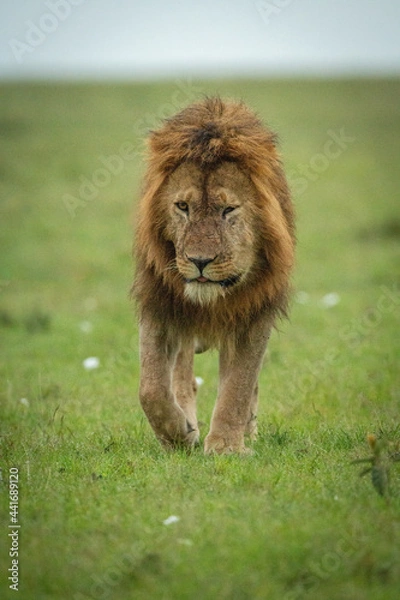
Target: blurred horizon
(148,40)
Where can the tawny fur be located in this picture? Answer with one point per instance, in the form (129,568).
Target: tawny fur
(214,189)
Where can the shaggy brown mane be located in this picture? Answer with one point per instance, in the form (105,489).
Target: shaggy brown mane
(206,134)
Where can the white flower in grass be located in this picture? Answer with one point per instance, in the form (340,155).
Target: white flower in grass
(185,542)
(86,326)
(24,401)
(302,298)
(330,300)
(171,519)
(90,363)
(199,381)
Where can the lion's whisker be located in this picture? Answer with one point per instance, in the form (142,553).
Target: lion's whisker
(171,266)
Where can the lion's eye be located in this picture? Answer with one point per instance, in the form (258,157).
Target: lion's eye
(228,210)
(183,206)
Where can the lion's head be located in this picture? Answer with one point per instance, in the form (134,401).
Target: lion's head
(215,234)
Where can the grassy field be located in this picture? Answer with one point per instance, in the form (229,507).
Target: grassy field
(292,521)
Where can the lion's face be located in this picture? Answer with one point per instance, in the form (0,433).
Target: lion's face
(209,220)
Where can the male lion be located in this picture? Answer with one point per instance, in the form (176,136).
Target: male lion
(214,250)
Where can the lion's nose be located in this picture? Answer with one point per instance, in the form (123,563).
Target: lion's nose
(200,263)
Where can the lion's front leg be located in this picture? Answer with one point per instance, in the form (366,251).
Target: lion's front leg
(157,358)
(234,413)
(184,387)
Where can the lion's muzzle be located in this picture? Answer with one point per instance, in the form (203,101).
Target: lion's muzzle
(206,278)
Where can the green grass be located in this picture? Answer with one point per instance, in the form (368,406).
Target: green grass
(292,521)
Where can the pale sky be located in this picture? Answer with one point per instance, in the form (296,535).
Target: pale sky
(168,38)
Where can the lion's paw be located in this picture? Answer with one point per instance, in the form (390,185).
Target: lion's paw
(192,438)
(216,444)
(179,435)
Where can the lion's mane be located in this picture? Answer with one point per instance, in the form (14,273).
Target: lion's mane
(206,134)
